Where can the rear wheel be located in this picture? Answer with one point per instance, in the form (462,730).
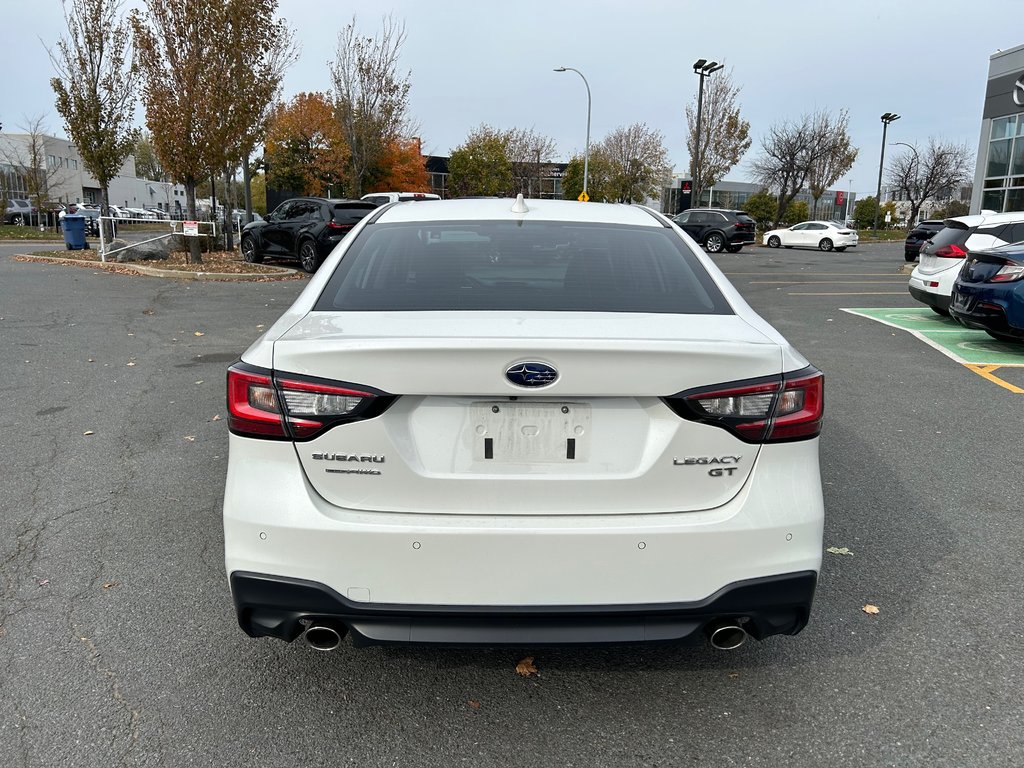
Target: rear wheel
(774,242)
(734,248)
(249,252)
(17,220)
(308,256)
(714,243)
(825,244)
(910,257)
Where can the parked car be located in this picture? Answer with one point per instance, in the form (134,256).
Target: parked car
(942,256)
(19,212)
(823,235)
(303,228)
(718,229)
(493,422)
(382,198)
(238,218)
(988,294)
(923,232)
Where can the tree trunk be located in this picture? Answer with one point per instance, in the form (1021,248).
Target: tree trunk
(247,183)
(195,256)
(229,205)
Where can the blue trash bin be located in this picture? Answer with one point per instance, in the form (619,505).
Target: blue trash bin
(74,232)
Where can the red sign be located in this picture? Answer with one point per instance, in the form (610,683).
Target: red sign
(686,186)
(840,196)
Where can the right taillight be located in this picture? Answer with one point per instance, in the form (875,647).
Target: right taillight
(766,410)
(949,252)
(1008,273)
(284,406)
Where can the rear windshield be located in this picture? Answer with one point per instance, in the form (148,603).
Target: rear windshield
(744,218)
(511,266)
(350,213)
(951,235)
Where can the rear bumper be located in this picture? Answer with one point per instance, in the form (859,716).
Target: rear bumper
(931,299)
(983,311)
(270,606)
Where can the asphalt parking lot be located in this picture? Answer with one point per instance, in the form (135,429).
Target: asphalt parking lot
(118,642)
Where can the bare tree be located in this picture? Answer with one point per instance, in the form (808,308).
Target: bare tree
(836,158)
(933,173)
(96,87)
(724,135)
(639,160)
(372,96)
(528,151)
(791,151)
(29,160)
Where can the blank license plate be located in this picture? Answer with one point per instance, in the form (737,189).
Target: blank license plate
(530,432)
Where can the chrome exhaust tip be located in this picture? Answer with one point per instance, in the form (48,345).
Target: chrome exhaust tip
(726,635)
(322,637)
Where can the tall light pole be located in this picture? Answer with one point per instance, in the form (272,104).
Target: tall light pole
(888,117)
(586,153)
(702,68)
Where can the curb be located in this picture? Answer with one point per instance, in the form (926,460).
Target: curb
(284,272)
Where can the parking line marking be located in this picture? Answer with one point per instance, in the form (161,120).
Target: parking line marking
(986,372)
(825,282)
(810,274)
(839,293)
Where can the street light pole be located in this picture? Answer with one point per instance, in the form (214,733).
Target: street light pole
(586,153)
(888,117)
(702,68)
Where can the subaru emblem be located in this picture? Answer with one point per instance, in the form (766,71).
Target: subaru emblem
(531,374)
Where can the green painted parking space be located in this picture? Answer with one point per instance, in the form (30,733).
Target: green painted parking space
(974,349)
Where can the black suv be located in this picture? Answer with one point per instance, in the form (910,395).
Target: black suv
(303,228)
(718,229)
(923,232)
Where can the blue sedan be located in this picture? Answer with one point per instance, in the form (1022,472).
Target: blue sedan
(989,292)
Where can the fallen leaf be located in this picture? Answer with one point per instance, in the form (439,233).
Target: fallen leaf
(526,668)
(87,432)
(215,418)
(190,438)
(869,608)
(148,312)
(199,333)
(199,382)
(110,584)
(839,551)
(44,582)
(130,365)
(474,703)
(90,360)
(733,675)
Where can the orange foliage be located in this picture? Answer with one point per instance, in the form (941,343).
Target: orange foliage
(402,169)
(306,150)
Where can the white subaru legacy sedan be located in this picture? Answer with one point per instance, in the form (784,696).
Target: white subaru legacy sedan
(509,422)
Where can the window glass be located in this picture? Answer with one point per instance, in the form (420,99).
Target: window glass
(350,213)
(1015,200)
(513,266)
(816,225)
(1003,128)
(799,227)
(998,158)
(297,211)
(1017,158)
(682,218)
(992,200)
(1016,233)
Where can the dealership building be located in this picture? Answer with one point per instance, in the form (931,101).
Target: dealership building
(999,176)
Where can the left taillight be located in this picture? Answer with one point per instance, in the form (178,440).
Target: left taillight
(283,406)
(767,410)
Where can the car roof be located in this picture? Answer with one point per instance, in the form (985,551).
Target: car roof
(980,219)
(491,209)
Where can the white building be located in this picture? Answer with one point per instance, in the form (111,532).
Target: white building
(67,180)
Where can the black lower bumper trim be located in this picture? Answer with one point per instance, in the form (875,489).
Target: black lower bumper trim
(272,606)
(931,299)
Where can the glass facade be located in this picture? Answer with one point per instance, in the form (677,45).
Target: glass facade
(1004,165)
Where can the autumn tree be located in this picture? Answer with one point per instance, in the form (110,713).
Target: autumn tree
(724,134)
(188,50)
(481,165)
(791,150)
(639,163)
(147,164)
(402,168)
(371,97)
(599,176)
(836,158)
(305,150)
(933,173)
(96,87)
(528,151)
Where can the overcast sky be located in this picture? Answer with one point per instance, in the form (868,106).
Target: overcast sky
(474,62)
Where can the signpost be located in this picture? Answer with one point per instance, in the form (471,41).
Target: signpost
(190,228)
(584,197)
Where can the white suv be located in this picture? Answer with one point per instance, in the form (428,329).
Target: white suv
(383,198)
(532,422)
(942,257)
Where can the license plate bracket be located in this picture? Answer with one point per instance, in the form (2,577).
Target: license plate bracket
(530,432)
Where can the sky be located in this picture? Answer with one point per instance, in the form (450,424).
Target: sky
(476,61)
